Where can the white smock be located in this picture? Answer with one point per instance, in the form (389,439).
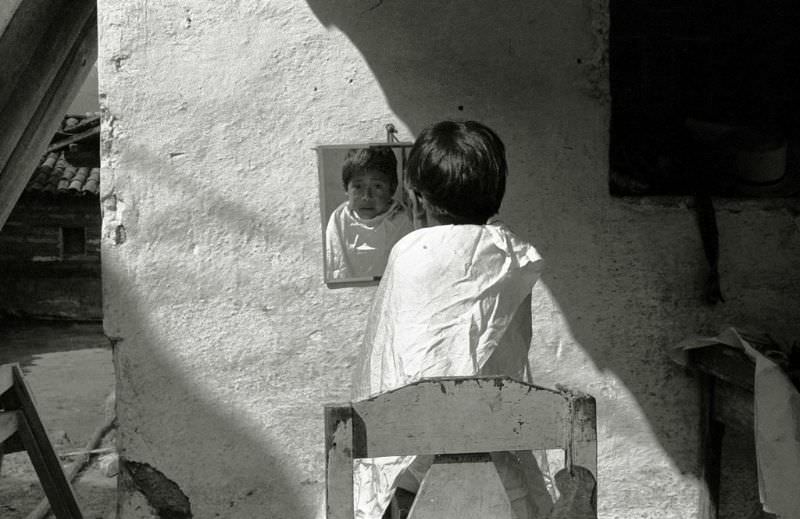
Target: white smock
(358,247)
(446,306)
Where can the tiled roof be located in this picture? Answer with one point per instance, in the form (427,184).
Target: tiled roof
(56,175)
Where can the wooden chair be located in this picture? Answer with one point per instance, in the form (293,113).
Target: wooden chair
(461,420)
(22,429)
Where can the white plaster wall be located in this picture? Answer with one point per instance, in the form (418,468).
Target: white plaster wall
(228,341)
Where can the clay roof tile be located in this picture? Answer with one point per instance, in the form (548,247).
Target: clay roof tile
(55,174)
(92,184)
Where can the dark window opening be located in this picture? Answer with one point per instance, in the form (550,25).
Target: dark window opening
(73,241)
(705,97)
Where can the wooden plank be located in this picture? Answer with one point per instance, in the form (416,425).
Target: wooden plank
(711,432)
(63,143)
(36,107)
(339,462)
(43,458)
(462,490)
(21,31)
(583,433)
(578,482)
(51,475)
(421,418)
(88,122)
(65,22)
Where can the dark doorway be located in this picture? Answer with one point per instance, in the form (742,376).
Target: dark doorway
(705,97)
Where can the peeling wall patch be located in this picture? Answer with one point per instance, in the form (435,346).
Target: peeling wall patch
(120,235)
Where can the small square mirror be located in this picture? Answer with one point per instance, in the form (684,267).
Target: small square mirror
(363,211)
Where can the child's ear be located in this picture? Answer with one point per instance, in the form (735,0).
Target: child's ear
(417,203)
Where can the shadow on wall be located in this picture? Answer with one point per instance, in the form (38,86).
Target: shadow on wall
(476,60)
(207,434)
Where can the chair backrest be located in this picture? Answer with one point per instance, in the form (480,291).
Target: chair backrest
(490,414)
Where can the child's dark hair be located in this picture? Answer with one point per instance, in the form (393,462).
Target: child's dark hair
(377,158)
(460,169)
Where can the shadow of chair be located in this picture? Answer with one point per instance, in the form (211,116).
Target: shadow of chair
(461,420)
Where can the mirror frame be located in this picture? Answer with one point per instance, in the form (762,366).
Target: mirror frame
(325,211)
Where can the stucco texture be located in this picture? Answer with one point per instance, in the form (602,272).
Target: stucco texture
(228,342)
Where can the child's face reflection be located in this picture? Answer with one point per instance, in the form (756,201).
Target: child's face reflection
(369,194)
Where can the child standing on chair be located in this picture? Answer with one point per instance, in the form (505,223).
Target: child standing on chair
(361,231)
(454,301)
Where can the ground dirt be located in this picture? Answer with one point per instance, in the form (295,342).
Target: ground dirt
(69,368)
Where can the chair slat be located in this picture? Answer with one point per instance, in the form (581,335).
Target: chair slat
(463,415)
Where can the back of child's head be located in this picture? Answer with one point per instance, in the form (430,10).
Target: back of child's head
(374,158)
(460,169)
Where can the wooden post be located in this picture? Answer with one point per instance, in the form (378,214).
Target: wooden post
(583,433)
(711,432)
(339,462)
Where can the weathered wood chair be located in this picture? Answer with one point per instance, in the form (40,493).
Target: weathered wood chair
(22,429)
(461,420)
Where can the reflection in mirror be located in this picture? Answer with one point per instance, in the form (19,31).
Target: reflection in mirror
(362,209)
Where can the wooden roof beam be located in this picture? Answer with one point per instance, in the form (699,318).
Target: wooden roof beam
(44,88)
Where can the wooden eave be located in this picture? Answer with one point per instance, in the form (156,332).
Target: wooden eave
(47,48)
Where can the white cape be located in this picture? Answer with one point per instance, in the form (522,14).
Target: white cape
(356,247)
(447,306)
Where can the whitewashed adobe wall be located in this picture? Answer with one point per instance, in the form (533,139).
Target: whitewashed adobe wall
(228,342)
